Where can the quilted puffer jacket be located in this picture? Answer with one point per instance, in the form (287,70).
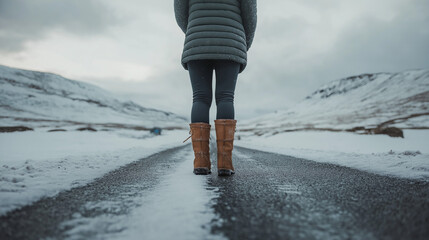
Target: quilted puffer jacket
(216,29)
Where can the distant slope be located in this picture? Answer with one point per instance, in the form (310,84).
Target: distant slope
(355,103)
(44,99)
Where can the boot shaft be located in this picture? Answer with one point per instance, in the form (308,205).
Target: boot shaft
(225,130)
(200,133)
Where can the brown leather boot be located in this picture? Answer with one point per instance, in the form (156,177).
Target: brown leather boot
(225,129)
(200,133)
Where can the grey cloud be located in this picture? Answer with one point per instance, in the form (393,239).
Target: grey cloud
(23,20)
(372,45)
(286,63)
(369,44)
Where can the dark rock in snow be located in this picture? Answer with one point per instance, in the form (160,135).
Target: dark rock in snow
(87,129)
(356,129)
(390,131)
(15,129)
(57,130)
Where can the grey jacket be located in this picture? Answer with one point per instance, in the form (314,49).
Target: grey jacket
(216,29)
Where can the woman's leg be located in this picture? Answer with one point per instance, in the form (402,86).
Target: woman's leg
(201,74)
(226,79)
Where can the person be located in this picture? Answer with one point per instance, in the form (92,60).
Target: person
(218,34)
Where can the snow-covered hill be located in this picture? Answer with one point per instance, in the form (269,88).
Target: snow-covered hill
(359,103)
(38,99)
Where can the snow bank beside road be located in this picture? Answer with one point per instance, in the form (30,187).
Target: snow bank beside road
(406,158)
(38,164)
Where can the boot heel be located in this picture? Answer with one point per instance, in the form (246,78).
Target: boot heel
(225,172)
(202,171)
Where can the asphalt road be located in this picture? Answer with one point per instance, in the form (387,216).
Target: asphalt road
(271,196)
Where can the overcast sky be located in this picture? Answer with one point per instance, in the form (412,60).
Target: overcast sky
(133,47)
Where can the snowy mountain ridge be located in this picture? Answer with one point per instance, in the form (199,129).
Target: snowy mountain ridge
(344,85)
(39,99)
(362,102)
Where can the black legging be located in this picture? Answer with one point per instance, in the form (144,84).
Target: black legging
(201,74)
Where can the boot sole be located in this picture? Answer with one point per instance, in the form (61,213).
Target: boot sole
(225,172)
(202,171)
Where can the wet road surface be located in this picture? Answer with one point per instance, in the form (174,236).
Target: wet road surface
(271,196)
(275,196)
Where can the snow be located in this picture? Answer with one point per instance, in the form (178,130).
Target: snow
(366,100)
(37,99)
(400,157)
(181,202)
(38,164)
(179,208)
